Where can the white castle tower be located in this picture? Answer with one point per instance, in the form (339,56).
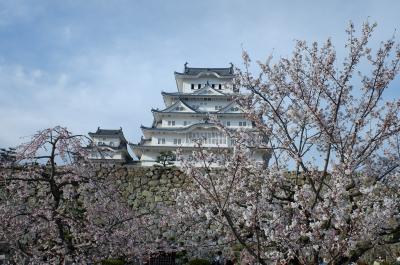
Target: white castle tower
(201,91)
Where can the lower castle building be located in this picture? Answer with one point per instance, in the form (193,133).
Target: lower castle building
(108,146)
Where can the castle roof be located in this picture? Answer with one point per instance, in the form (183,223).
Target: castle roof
(108,133)
(181,129)
(207,90)
(185,108)
(196,71)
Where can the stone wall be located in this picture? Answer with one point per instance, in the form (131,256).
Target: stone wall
(147,190)
(146,187)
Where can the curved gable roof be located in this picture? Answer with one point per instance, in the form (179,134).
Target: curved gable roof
(227,108)
(178,103)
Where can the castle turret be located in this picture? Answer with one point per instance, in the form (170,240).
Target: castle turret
(108,146)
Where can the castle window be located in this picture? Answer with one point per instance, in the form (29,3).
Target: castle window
(242,123)
(228,123)
(171,123)
(199,86)
(185,123)
(177,141)
(220,86)
(192,86)
(161,140)
(213,85)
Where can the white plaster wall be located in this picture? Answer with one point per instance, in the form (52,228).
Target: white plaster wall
(187,139)
(187,84)
(149,155)
(117,156)
(234,122)
(180,121)
(107,141)
(106,154)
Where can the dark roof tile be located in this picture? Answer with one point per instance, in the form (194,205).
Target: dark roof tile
(196,70)
(108,132)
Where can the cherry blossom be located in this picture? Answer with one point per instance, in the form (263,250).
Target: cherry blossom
(329,188)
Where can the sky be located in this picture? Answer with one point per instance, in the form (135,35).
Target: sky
(84,64)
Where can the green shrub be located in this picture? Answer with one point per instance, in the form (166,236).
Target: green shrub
(113,262)
(199,262)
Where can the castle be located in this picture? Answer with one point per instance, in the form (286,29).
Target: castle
(201,92)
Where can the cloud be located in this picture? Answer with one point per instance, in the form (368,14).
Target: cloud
(114,92)
(19,11)
(92,63)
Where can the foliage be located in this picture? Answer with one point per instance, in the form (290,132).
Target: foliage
(113,262)
(55,214)
(8,155)
(166,158)
(199,262)
(332,129)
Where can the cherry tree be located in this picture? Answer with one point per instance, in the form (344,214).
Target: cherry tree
(60,214)
(329,189)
